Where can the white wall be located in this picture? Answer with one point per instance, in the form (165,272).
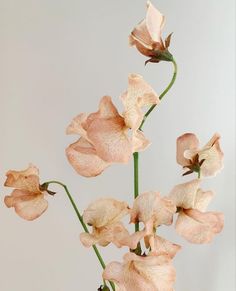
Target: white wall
(58,58)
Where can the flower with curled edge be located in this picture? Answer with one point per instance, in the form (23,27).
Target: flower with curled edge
(106,136)
(28,198)
(138,273)
(146,36)
(193,223)
(104,215)
(207,161)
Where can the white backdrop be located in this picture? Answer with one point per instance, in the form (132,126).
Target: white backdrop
(58,58)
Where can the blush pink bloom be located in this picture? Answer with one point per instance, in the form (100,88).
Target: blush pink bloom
(193,223)
(105,215)
(106,136)
(208,159)
(27,198)
(146,36)
(153,210)
(160,245)
(138,273)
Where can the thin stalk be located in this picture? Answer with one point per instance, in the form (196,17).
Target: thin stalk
(82,223)
(136,182)
(162,94)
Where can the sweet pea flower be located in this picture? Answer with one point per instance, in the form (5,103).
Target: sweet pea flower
(146,36)
(193,223)
(138,273)
(104,216)
(153,210)
(160,245)
(207,160)
(27,198)
(106,136)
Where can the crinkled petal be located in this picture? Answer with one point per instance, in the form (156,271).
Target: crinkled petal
(105,211)
(83,158)
(110,139)
(26,180)
(150,206)
(160,245)
(154,22)
(203,198)
(184,195)
(138,273)
(139,94)
(27,205)
(77,125)
(187,141)
(212,156)
(197,227)
(139,141)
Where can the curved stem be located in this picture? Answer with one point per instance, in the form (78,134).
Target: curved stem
(162,94)
(82,223)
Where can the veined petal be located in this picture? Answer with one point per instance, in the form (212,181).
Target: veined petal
(77,125)
(203,198)
(187,141)
(105,211)
(139,141)
(27,179)
(142,273)
(27,205)
(184,195)
(84,159)
(154,22)
(198,227)
(150,206)
(160,245)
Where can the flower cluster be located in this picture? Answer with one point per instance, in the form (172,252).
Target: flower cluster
(108,137)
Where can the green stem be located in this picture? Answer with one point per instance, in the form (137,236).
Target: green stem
(162,94)
(136,182)
(199,174)
(82,223)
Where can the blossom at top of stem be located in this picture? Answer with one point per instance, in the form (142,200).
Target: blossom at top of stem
(104,215)
(207,160)
(147,36)
(106,137)
(27,198)
(138,273)
(193,223)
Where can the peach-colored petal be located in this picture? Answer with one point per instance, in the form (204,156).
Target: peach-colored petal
(77,125)
(27,205)
(187,141)
(27,179)
(155,22)
(105,211)
(184,195)
(83,158)
(138,273)
(110,139)
(198,227)
(139,141)
(150,206)
(202,199)
(160,245)
(213,156)
(139,94)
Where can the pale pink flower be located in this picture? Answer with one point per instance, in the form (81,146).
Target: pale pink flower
(160,245)
(208,159)
(193,223)
(104,215)
(27,198)
(151,209)
(146,36)
(138,273)
(106,136)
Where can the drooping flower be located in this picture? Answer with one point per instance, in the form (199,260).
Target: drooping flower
(193,223)
(138,273)
(27,198)
(151,209)
(208,160)
(147,38)
(106,136)
(104,215)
